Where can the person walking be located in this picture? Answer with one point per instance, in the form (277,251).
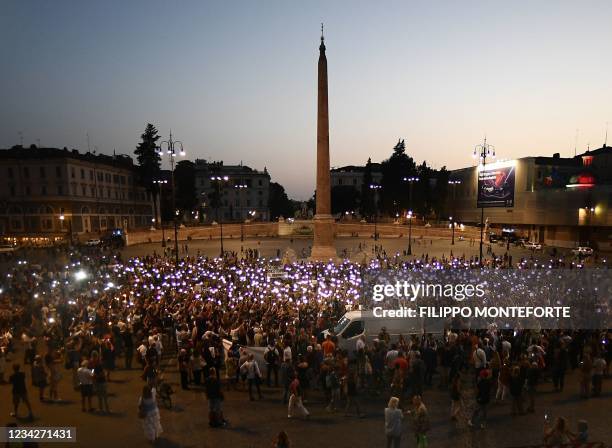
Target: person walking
(421,421)
(455,394)
(149,414)
(253,374)
(533,377)
(215,396)
(100,388)
(20,392)
(351,391)
(39,376)
(517,383)
(586,367)
(599,368)
(296,406)
(483,396)
(393,423)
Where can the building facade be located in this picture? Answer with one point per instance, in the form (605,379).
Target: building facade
(556,201)
(50,193)
(243,192)
(352,176)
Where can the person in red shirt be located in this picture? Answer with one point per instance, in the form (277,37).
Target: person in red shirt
(402,362)
(328,346)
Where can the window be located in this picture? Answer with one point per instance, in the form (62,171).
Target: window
(72,172)
(58,171)
(122,178)
(26,172)
(100,176)
(43,173)
(46,224)
(339,181)
(107,177)
(82,173)
(101,192)
(91,175)
(83,190)
(260,183)
(355,328)
(74,190)
(108,193)
(93,191)
(43,190)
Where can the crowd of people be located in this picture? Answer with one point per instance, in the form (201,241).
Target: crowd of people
(82,314)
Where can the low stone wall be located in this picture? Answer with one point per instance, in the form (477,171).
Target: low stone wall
(264,229)
(296,229)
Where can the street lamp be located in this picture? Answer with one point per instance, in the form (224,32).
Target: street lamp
(159,183)
(411,180)
(218,180)
(482,152)
(409,216)
(241,187)
(171,151)
(375,187)
(454,184)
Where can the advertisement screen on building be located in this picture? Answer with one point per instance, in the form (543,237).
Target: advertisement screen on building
(496,185)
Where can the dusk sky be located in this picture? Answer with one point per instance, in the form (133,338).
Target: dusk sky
(236,81)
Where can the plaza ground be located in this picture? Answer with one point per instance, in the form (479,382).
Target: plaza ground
(255,424)
(270,247)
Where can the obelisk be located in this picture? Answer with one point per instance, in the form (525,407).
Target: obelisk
(323,248)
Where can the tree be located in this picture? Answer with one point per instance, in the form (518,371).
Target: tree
(278,202)
(395,191)
(184,178)
(344,198)
(149,161)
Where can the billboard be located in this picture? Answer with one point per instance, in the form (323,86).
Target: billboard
(496,185)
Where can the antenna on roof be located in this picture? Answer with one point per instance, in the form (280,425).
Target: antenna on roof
(606,139)
(87,135)
(576,142)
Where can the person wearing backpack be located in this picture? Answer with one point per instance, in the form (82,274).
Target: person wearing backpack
(272,357)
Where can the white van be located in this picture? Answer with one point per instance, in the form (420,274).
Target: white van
(356,323)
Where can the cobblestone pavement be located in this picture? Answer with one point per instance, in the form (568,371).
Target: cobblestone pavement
(254,424)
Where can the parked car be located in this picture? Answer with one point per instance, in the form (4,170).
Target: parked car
(583,251)
(493,237)
(93,242)
(532,245)
(520,241)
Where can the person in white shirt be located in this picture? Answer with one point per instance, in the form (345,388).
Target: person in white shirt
(287,357)
(599,367)
(253,374)
(479,358)
(85,377)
